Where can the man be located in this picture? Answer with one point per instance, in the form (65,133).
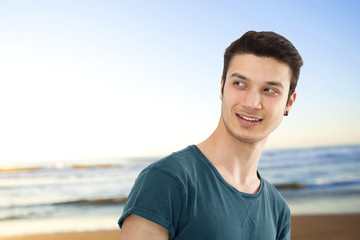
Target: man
(213,190)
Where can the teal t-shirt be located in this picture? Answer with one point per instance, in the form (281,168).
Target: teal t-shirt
(185,194)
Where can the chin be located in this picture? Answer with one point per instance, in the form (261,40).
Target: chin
(250,140)
(246,138)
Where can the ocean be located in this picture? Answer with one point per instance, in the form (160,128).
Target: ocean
(89,195)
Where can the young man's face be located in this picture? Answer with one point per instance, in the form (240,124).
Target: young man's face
(255,96)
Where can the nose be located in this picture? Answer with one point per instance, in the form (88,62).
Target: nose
(251,100)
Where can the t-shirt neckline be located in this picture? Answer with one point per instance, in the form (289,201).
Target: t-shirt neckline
(213,168)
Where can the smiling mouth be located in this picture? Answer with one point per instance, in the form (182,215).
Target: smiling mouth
(249,119)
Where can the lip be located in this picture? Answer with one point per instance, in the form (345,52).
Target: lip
(248,120)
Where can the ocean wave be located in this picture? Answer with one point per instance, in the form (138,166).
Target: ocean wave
(19,169)
(75,166)
(78,202)
(93,202)
(308,157)
(317,184)
(11,217)
(15,212)
(294,186)
(332,183)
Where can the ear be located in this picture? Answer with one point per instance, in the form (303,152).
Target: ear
(291,102)
(222,88)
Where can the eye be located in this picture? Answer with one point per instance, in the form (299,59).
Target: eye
(239,83)
(270,90)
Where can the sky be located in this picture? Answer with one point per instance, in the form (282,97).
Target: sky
(107,79)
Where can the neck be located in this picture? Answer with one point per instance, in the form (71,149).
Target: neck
(236,161)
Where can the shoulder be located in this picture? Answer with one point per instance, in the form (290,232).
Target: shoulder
(275,198)
(279,208)
(177,164)
(272,191)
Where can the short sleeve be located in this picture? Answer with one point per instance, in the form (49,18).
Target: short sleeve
(156,196)
(285,227)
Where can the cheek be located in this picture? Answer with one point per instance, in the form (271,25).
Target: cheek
(278,104)
(228,99)
(276,109)
(225,105)
(232,97)
(276,117)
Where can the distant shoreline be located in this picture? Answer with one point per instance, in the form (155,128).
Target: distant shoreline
(12,165)
(66,197)
(309,227)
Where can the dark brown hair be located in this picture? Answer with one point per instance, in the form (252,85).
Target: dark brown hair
(266,44)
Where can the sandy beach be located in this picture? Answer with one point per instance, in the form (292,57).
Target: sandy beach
(329,227)
(319,227)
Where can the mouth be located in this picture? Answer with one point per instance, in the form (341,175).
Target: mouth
(250,119)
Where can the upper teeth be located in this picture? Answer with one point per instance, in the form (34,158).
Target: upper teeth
(250,119)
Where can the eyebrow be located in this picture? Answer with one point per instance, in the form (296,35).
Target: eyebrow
(238,75)
(275,84)
(271,83)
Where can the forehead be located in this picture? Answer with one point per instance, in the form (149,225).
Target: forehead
(259,68)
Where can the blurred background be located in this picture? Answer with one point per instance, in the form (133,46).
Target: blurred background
(91,92)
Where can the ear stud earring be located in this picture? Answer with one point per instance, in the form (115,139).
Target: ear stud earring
(286,113)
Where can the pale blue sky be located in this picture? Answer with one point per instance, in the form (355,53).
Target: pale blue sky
(99,79)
